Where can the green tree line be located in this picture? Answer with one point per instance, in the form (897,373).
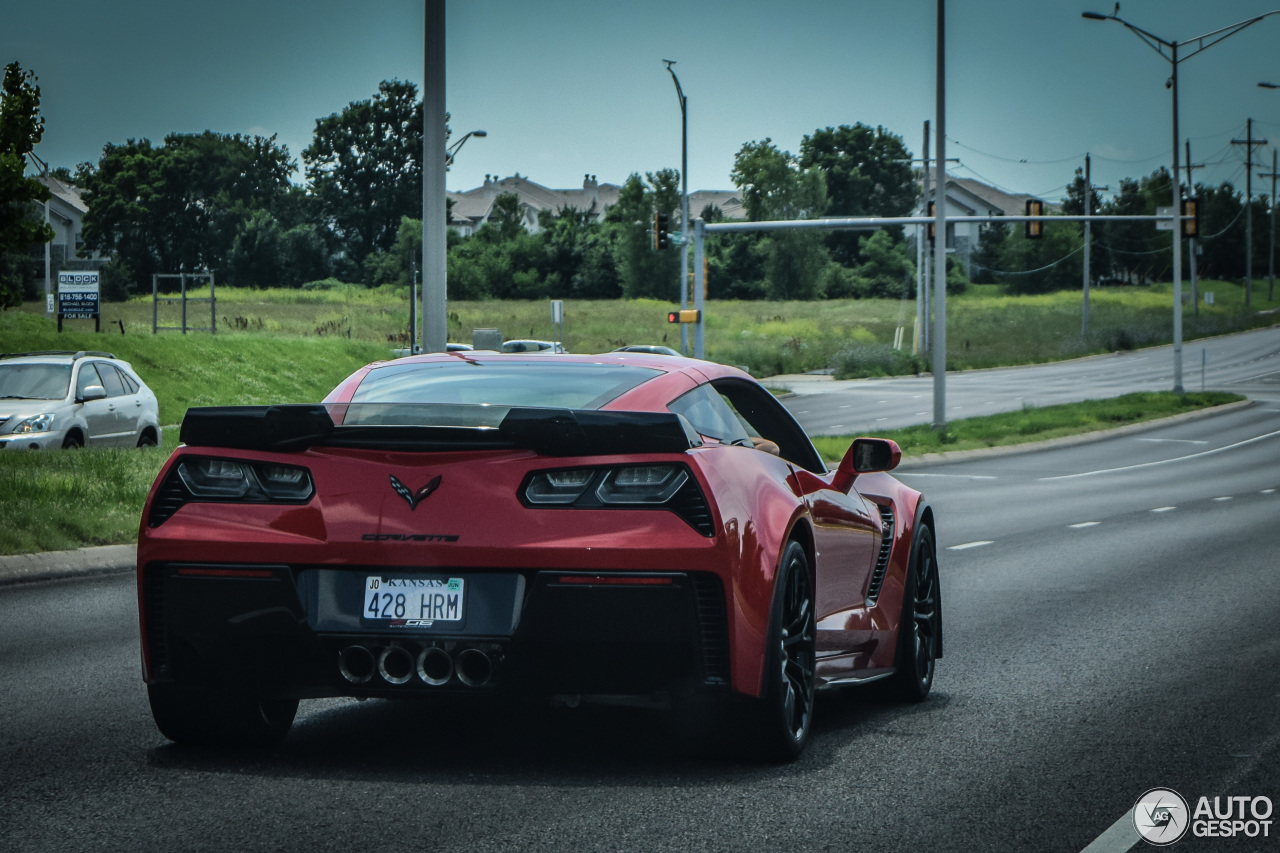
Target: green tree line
(226,203)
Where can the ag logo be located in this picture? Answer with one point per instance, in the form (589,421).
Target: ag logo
(1161,816)
(415,498)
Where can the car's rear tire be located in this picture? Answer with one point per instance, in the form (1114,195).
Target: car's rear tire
(196,716)
(920,631)
(73,441)
(780,720)
(147,439)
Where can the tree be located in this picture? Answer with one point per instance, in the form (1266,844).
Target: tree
(774,187)
(868,173)
(642,271)
(1074,205)
(182,205)
(21,128)
(365,167)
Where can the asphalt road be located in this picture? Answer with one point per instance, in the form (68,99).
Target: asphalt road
(1243,363)
(1110,625)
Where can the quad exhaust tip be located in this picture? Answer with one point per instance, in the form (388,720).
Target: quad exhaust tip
(397,665)
(474,668)
(435,667)
(356,664)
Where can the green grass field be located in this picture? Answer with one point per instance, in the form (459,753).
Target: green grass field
(853,337)
(294,346)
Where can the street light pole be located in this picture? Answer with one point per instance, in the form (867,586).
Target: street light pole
(684,205)
(1159,45)
(940,235)
(453,149)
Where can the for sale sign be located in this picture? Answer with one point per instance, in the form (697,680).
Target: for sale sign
(78,295)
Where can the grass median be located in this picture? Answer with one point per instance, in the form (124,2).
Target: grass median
(59,500)
(1035,424)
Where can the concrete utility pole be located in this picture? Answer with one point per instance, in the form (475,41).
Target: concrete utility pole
(1191,242)
(1271,255)
(1248,142)
(940,238)
(925,314)
(435,306)
(684,205)
(1088,237)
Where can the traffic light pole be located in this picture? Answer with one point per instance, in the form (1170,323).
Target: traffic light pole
(699,286)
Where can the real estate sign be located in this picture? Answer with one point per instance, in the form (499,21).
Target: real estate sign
(78,295)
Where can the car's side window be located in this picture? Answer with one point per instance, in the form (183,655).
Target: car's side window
(767,419)
(88,376)
(710,415)
(111,380)
(130,387)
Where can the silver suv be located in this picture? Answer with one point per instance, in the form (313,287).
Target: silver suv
(73,399)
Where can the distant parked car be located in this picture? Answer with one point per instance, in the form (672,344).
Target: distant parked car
(72,399)
(652,349)
(532,346)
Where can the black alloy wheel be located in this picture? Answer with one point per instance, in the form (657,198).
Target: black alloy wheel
(785,708)
(920,631)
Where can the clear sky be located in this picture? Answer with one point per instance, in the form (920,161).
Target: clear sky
(570,87)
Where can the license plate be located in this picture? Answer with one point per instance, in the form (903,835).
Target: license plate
(412,602)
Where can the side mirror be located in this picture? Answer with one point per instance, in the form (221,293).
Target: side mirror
(91,393)
(864,456)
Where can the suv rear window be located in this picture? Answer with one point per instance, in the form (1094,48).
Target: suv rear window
(506,383)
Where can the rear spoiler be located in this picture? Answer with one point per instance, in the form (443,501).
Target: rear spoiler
(548,432)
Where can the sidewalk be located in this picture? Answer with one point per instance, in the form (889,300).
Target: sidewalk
(49,565)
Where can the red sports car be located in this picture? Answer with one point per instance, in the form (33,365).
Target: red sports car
(618,525)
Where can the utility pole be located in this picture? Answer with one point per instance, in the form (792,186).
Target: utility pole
(684,205)
(923,311)
(1088,237)
(435,309)
(1191,242)
(1271,255)
(940,236)
(1248,142)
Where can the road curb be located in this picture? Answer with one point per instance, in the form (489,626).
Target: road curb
(52,565)
(929,459)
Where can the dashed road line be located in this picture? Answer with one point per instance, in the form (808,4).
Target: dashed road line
(1164,509)
(1083,524)
(1267,492)
(966,546)
(1174,440)
(1118,838)
(1223,498)
(1256,438)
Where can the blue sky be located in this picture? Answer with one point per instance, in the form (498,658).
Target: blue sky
(569,87)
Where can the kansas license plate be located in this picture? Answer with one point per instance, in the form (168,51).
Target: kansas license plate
(413,602)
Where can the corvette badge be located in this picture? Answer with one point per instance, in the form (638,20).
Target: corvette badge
(415,498)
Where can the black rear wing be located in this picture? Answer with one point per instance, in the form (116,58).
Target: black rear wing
(548,432)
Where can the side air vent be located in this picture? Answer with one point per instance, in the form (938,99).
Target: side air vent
(713,627)
(882,561)
(690,504)
(169,499)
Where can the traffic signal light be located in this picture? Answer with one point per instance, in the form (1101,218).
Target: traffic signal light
(1035,230)
(687,315)
(659,231)
(1191,227)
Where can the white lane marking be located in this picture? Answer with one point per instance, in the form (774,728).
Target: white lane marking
(1223,498)
(845,407)
(1084,524)
(1256,438)
(1173,440)
(837,426)
(1249,378)
(1267,492)
(966,546)
(1118,838)
(1164,509)
(916,396)
(882,419)
(921,413)
(881,401)
(953,476)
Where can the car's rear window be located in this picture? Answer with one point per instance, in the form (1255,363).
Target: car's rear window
(35,381)
(508,383)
